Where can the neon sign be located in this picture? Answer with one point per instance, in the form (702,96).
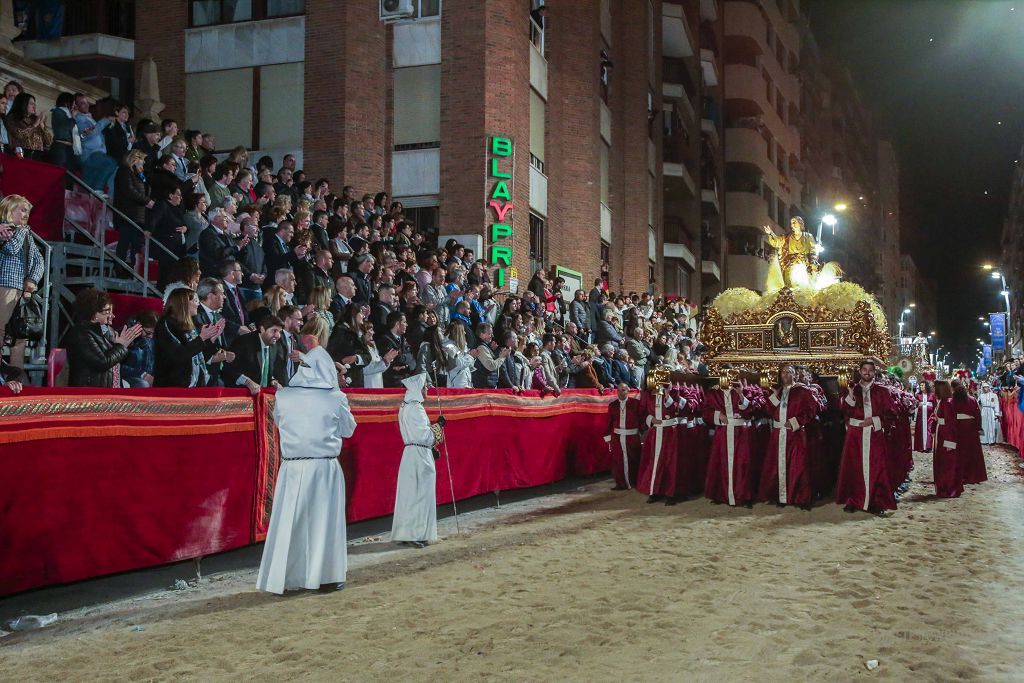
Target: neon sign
(499,200)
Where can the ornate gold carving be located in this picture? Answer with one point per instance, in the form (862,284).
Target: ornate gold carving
(831,342)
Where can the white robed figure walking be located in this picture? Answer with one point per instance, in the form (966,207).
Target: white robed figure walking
(988,401)
(415,519)
(305,545)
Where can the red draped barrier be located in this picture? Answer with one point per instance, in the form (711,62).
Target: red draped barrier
(1013,423)
(43,185)
(97,481)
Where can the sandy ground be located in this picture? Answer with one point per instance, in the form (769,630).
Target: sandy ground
(597,585)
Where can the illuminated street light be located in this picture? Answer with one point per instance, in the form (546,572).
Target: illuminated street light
(829,220)
(840,207)
(996,275)
(986,266)
(912,305)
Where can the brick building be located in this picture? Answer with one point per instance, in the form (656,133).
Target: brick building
(610,108)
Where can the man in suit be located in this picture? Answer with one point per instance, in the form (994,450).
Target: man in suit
(210,292)
(234,303)
(345,289)
(361,278)
(215,245)
(382,307)
(278,252)
(393,338)
(289,345)
(258,361)
(316,274)
(251,256)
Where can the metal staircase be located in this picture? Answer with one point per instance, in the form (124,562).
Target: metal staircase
(85,259)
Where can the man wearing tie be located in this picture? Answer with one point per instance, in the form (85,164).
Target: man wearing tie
(234,304)
(258,362)
(290,347)
(211,301)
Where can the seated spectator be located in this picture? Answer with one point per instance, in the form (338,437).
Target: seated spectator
(184,273)
(95,351)
(137,367)
(180,351)
(320,300)
(316,327)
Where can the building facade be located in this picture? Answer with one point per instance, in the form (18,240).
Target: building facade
(762,135)
(586,136)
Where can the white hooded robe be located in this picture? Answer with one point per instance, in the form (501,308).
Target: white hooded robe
(416,498)
(305,545)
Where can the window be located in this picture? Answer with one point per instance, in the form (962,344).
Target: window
(268,114)
(606,261)
(425,9)
(426,219)
(417,109)
(536,243)
(605,174)
(537,130)
(212,12)
(606,74)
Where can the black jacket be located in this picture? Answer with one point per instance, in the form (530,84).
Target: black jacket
(307,276)
(232,315)
(116,140)
(162,221)
(92,356)
(172,354)
(345,342)
(404,362)
(131,194)
(214,248)
(277,256)
(248,362)
(363,289)
(163,183)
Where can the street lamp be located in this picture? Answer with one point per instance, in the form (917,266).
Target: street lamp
(830,220)
(1005,293)
(903,315)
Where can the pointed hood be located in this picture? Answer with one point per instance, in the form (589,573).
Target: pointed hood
(414,388)
(316,371)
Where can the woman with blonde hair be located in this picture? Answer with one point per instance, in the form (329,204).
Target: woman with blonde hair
(275,298)
(320,300)
(132,197)
(316,327)
(460,358)
(21,265)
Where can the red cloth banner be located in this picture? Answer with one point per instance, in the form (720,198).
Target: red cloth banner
(43,185)
(1013,423)
(97,481)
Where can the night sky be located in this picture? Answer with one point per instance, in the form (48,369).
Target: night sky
(943,79)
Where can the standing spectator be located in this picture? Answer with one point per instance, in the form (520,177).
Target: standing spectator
(67,143)
(21,264)
(95,352)
(27,129)
(215,245)
(640,353)
(119,136)
(131,198)
(310,275)
(196,208)
(149,135)
(97,166)
(253,259)
(393,339)
(485,372)
(180,351)
(166,222)
(459,357)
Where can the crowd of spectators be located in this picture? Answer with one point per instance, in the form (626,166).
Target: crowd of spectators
(254,256)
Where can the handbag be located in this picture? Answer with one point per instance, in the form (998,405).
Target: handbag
(26,320)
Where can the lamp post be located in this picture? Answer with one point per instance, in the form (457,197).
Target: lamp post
(997,275)
(903,315)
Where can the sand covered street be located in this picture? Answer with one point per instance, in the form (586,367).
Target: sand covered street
(603,587)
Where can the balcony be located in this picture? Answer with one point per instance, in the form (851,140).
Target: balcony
(709,10)
(675,34)
(750,272)
(709,199)
(677,176)
(747,209)
(681,252)
(708,67)
(710,268)
(710,131)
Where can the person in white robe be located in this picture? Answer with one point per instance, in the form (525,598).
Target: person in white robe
(305,545)
(415,519)
(988,401)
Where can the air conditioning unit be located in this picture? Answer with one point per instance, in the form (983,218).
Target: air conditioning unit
(394,10)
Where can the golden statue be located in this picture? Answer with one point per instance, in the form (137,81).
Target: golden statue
(796,260)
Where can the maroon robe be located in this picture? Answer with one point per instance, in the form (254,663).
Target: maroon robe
(692,444)
(785,476)
(658,467)
(817,455)
(732,475)
(863,475)
(901,449)
(971,459)
(622,435)
(949,482)
(925,423)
